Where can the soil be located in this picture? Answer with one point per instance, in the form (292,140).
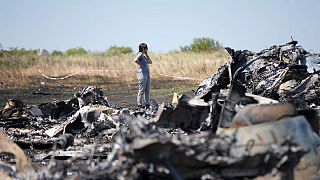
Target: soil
(119,94)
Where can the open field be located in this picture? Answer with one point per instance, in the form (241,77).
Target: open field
(116,75)
(98,69)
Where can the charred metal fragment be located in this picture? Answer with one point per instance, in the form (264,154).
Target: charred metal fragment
(236,93)
(59,109)
(65,141)
(188,114)
(256,114)
(91,95)
(213,84)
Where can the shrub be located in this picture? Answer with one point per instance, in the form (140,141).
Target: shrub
(202,45)
(116,50)
(76,51)
(15,57)
(185,48)
(56,53)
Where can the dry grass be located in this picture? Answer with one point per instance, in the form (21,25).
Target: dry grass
(95,69)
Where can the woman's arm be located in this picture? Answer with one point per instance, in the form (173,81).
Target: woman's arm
(149,59)
(137,59)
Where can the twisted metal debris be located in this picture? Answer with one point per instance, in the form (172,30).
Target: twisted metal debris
(233,128)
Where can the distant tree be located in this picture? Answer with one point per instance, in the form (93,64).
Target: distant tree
(56,53)
(116,50)
(2,51)
(76,51)
(21,52)
(204,44)
(185,48)
(18,57)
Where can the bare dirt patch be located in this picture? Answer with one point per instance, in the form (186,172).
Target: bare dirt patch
(119,93)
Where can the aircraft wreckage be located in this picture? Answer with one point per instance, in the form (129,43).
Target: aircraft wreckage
(256,118)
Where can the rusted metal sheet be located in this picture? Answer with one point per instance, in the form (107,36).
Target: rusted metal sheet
(260,137)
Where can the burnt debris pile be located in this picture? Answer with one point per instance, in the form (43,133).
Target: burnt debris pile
(280,72)
(256,118)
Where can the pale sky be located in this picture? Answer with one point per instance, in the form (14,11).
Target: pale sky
(164,24)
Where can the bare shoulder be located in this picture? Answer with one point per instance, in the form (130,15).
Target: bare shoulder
(139,54)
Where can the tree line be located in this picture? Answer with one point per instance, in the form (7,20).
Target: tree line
(198,45)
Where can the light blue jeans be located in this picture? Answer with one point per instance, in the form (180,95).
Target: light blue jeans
(144,88)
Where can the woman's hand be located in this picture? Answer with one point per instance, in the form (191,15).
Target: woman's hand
(148,58)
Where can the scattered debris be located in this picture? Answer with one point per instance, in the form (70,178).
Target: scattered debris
(65,141)
(22,168)
(91,94)
(256,118)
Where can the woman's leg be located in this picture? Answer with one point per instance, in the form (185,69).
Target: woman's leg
(142,88)
(147,92)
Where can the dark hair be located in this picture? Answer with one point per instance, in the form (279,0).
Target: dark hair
(142,46)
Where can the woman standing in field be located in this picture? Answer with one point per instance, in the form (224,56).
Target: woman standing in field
(143,59)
